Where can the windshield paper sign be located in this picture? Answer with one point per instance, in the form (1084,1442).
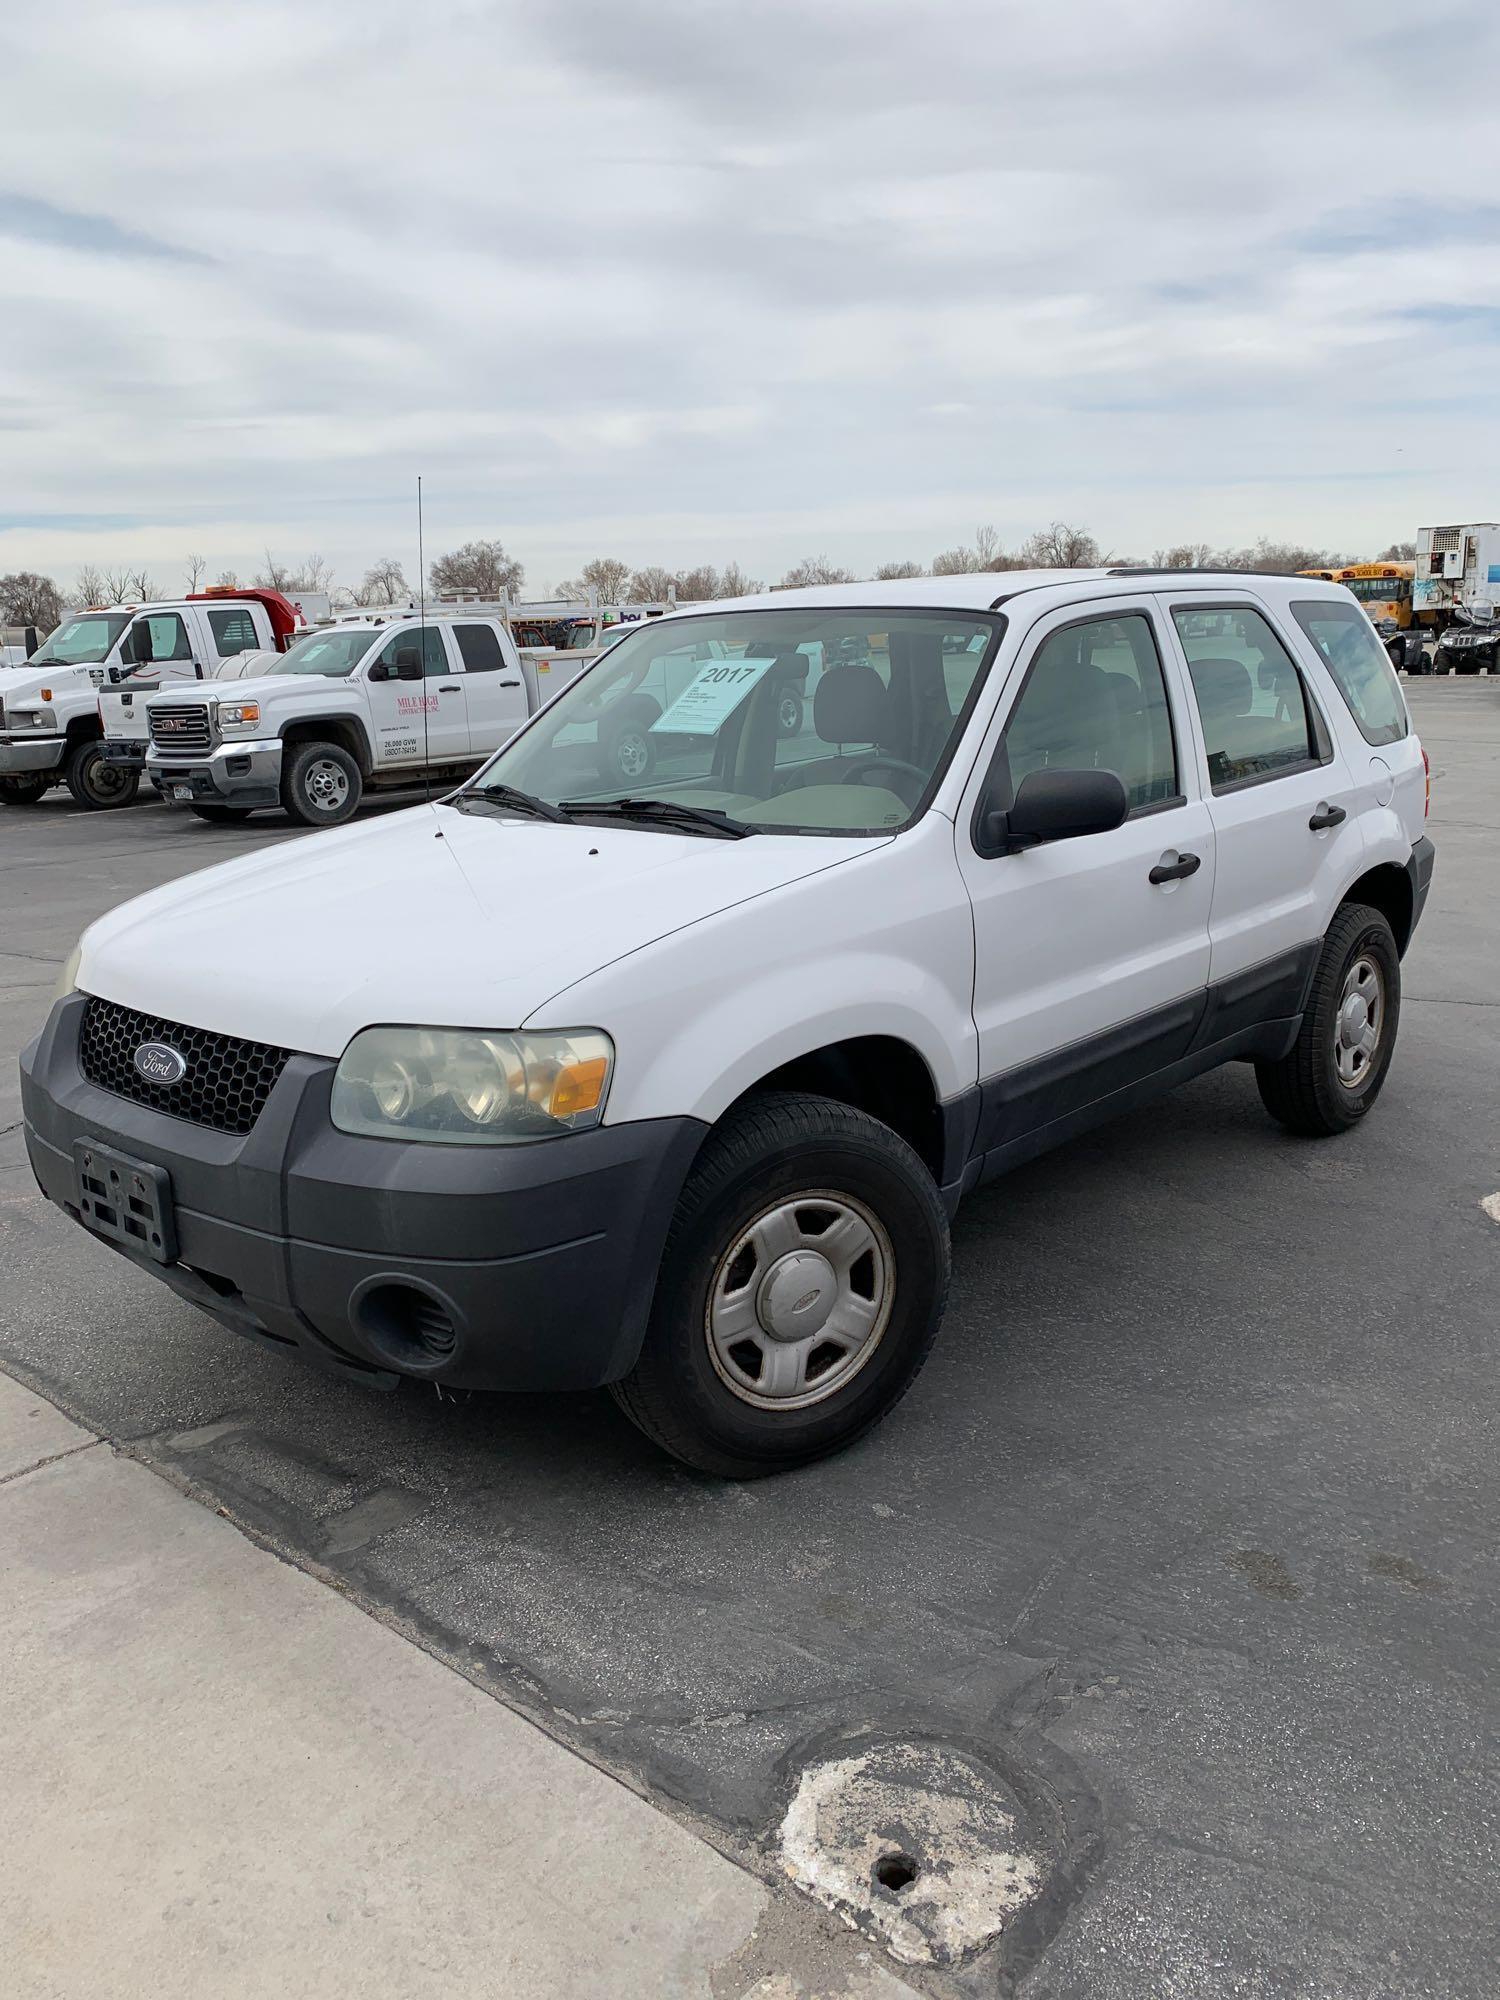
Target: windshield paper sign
(709,699)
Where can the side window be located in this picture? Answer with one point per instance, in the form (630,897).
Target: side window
(429,641)
(1095,700)
(234,630)
(1359,664)
(1257,719)
(168,637)
(480,648)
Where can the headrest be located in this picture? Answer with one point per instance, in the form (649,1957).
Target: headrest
(1223,685)
(849,704)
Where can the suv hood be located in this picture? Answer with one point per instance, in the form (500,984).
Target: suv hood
(432,916)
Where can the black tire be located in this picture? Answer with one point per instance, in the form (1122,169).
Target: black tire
(775,1147)
(320,785)
(220,815)
(96,785)
(627,752)
(1304,1090)
(25,788)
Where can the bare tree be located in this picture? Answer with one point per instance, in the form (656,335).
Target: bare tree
(814,569)
(128,586)
(733,582)
(274,576)
(226,580)
(1184,555)
(650,585)
(195,566)
(1279,558)
(481,567)
(608,575)
(384,583)
(1398,552)
(985,553)
(27,598)
(89,589)
(1061,546)
(893,572)
(310,574)
(699,586)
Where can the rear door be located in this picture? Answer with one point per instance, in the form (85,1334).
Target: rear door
(1283,800)
(493,691)
(1088,974)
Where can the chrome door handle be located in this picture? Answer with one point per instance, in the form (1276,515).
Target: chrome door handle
(1174,871)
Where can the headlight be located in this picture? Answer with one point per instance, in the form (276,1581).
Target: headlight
(239,714)
(33,718)
(462,1086)
(67,979)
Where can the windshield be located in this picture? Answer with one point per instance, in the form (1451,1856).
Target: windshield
(1379,589)
(807,720)
(335,653)
(81,642)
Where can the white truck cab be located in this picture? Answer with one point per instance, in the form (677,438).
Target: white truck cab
(379,701)
(675,1090)
(73,715)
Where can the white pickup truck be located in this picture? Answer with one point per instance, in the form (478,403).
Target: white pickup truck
(380,702)
(80,687)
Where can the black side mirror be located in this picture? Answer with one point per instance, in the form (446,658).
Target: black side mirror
(408,664)
(1056,805)
(379,671)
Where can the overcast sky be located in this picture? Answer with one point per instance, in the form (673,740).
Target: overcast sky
(679,281)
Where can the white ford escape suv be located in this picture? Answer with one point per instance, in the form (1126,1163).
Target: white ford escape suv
(552,1085)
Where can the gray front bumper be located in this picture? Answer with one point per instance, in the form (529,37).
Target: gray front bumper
(20,754)
(239,774)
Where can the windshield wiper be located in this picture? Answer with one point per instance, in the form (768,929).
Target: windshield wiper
(509,797)
(667,812)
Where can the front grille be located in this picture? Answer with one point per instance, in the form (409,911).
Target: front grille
(226,1082)
(181,725)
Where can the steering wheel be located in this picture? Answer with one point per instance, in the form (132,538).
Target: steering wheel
(857,773)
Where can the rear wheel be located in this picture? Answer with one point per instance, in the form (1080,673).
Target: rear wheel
(627,754)
(24,789)
(96,785)
(1343,1051)
(802,1284)
(320,784)
(220,815)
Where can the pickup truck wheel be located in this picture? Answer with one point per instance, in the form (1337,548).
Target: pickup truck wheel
(802,1285)
(220,815)
(1343,1051)
(96,785)
(24,789)
(627,754)
(321,785)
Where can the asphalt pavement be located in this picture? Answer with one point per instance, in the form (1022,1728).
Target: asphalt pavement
(1184,1540)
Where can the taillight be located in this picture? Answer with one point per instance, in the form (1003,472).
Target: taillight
(1426,784)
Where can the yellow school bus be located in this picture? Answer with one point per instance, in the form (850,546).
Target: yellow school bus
(1383,588)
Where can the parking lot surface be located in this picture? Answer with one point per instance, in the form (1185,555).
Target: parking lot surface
(1186,1531)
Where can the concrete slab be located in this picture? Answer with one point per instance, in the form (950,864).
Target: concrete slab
(221,1777)
(32,1430)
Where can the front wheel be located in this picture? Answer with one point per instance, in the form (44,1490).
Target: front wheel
(24,789)
(96,785)
(627,754)
(1341,1055)
(320,785)
(802,1285)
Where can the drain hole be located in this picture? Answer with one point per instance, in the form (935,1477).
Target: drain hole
(895,1872)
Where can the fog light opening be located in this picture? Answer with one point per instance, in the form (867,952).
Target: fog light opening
(410,1328)
(896,1871)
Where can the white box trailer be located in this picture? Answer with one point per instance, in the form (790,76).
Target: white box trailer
(1458,569)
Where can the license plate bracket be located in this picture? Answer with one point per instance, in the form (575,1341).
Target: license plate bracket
(182,792)
(127,1202)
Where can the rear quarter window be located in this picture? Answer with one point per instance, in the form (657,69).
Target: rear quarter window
(1361,669)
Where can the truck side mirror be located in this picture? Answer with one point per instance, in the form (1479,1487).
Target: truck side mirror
(408,664)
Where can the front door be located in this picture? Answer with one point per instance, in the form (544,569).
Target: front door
(1088,974)
(419,722)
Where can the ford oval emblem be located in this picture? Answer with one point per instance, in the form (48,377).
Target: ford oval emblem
(160,1063)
